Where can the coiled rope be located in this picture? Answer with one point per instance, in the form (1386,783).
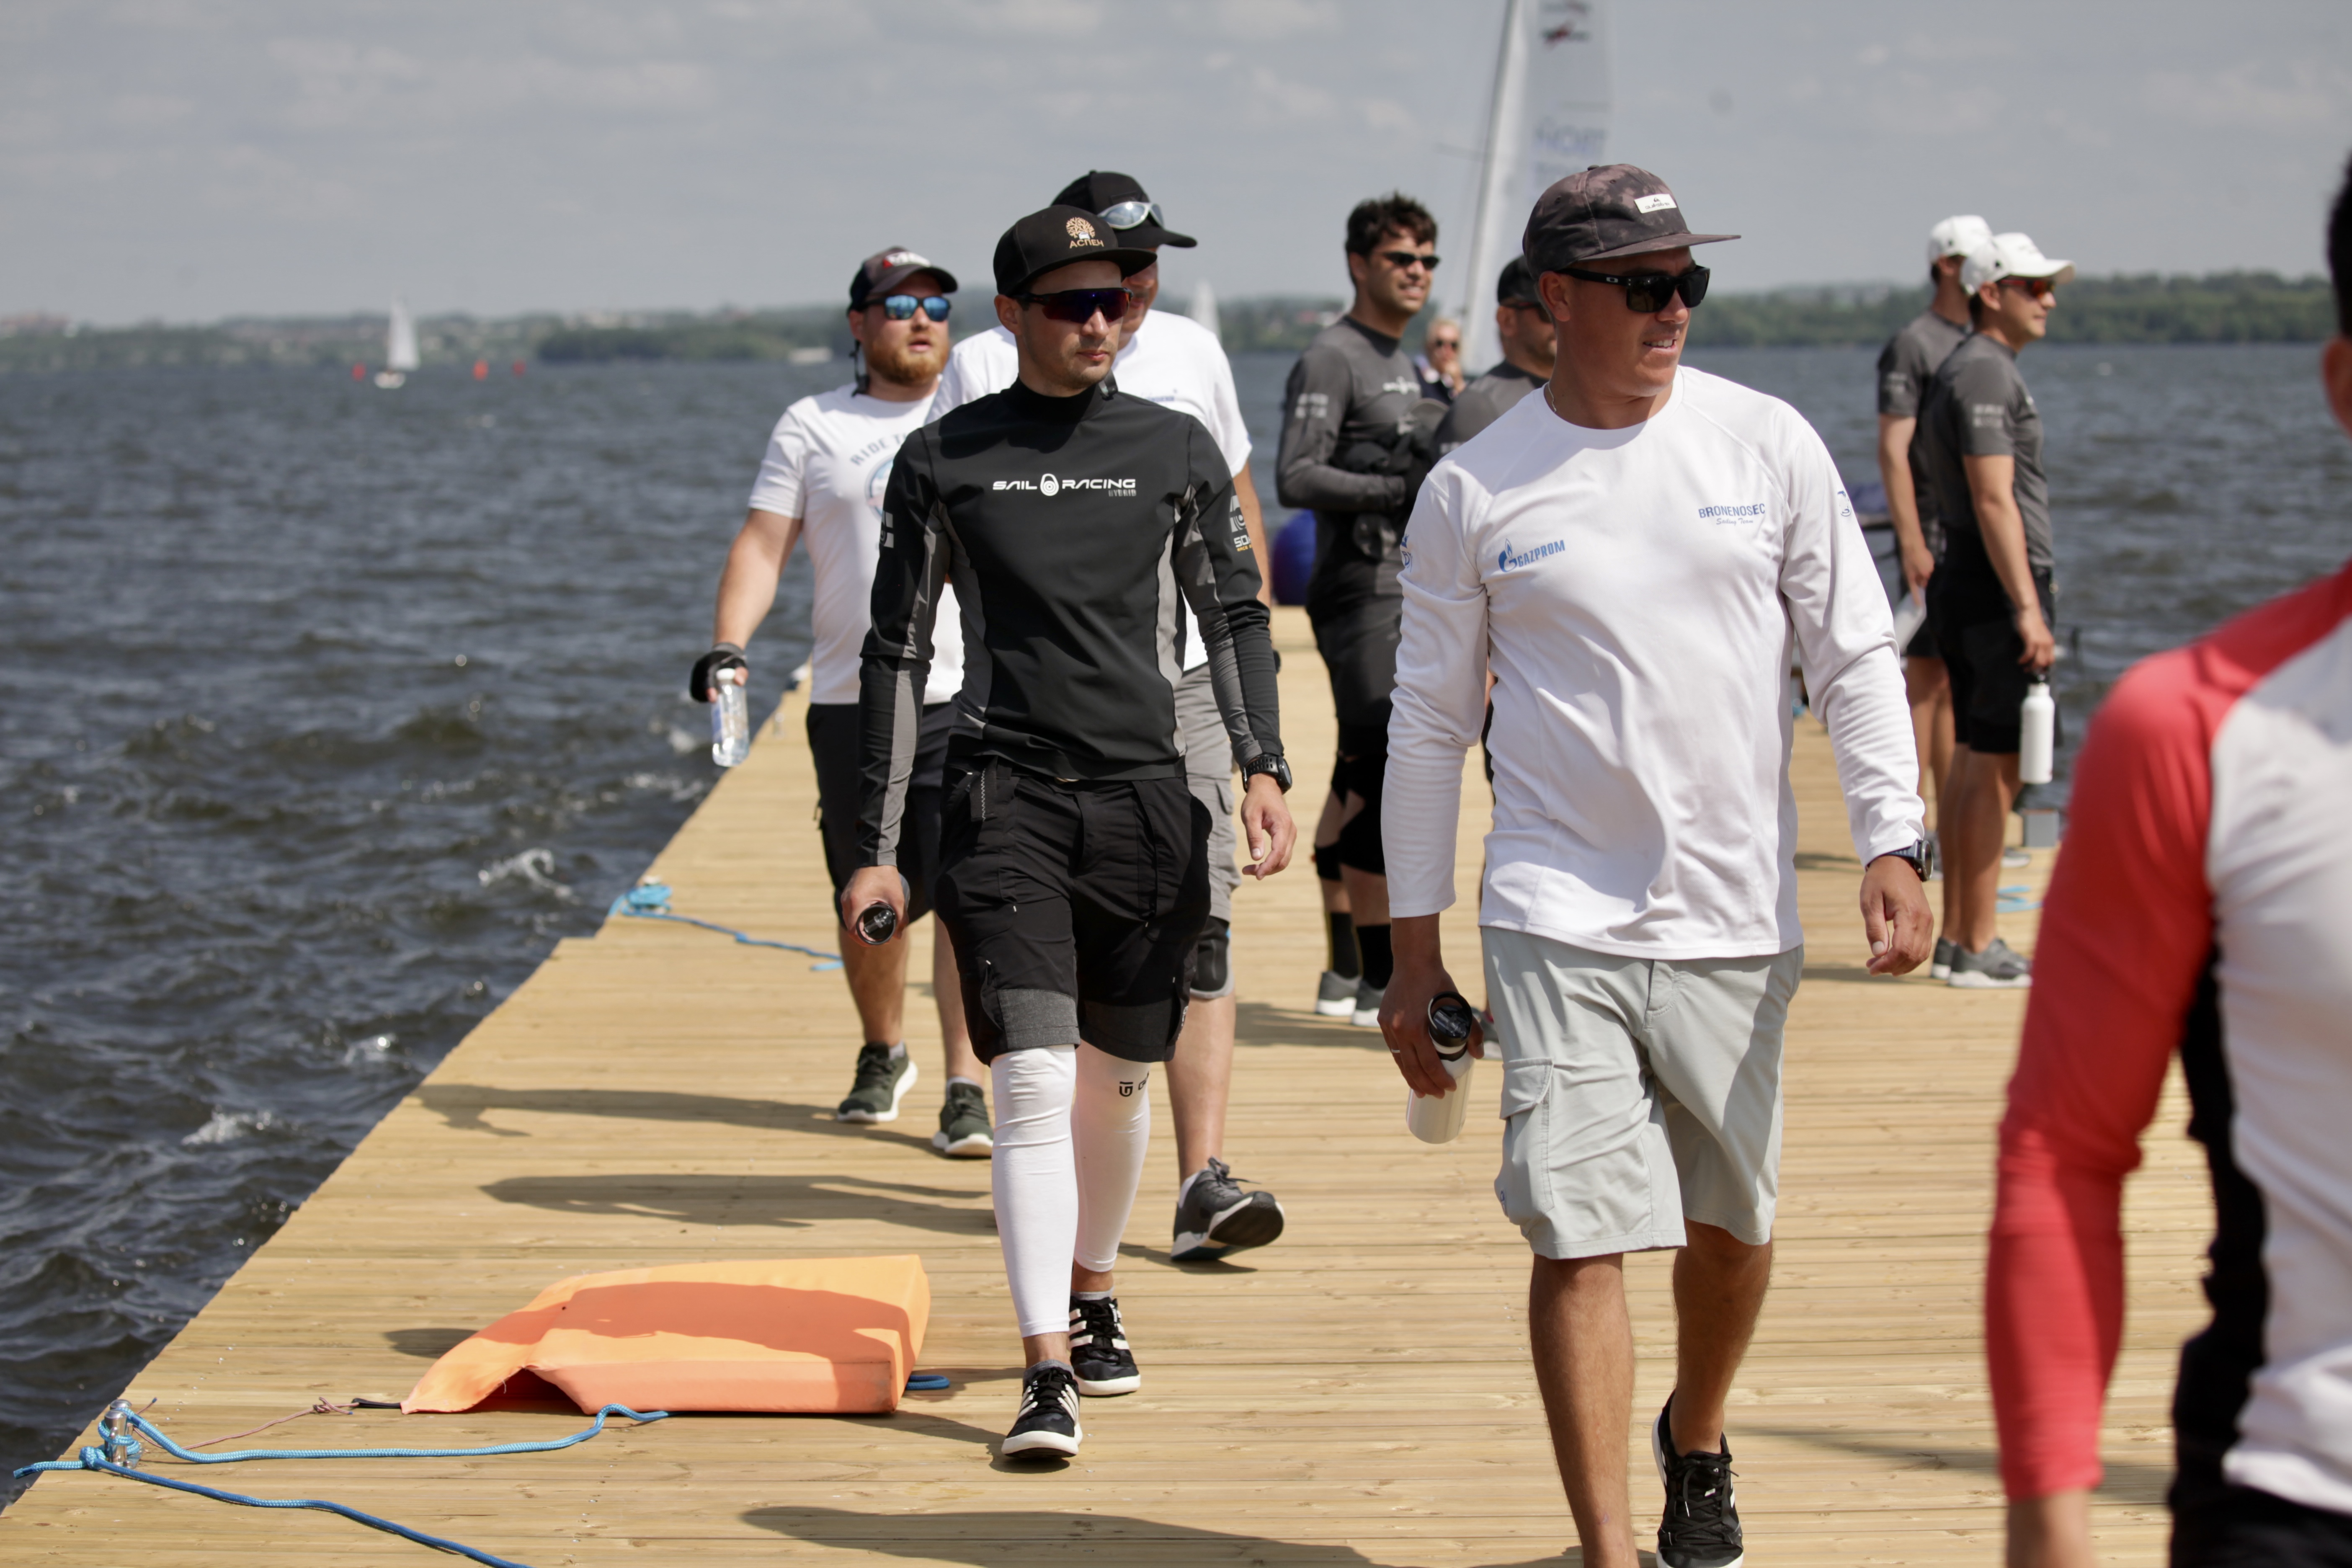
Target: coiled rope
(650,901)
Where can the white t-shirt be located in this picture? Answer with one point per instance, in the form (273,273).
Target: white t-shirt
(827,464)
(1638,594)
(1172,360)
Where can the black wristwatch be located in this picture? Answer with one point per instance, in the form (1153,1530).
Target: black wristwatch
(1268,762)
(1914,855)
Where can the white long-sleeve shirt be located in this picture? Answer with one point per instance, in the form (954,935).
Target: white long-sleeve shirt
(1638,594)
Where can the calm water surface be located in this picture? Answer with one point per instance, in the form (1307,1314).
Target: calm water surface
(324,712)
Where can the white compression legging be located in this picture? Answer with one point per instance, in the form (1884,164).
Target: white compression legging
(1073,1124)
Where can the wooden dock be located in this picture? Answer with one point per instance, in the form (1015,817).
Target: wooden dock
(1358,1393)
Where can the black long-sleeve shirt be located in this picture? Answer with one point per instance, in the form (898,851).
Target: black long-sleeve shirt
(1068,526)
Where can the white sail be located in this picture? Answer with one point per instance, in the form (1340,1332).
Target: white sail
(400,339)
(1548,117)
(1204,308)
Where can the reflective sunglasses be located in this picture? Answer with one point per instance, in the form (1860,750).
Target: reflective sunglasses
(1647,293)
(1405,260)
(1131,213)
(900,306)
(1079,305)
(2040,288)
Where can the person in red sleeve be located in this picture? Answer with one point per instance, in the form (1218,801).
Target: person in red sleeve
(2200,906)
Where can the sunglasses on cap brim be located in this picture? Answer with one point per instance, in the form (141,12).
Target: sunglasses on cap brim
(1132,214)
(1647,293)
(1081,305)
(900,306)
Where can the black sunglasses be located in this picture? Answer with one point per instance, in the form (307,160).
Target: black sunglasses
(1079,305)
(900,306)
(1647,292)
(1402,259)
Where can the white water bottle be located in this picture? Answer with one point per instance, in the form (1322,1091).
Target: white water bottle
(2037,726)
(1438,1118)
(730,717)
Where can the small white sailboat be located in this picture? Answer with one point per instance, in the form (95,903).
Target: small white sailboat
(1204,308)
(399,348)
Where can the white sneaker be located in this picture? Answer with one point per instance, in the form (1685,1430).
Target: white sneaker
(1367,1014)
(1334,995)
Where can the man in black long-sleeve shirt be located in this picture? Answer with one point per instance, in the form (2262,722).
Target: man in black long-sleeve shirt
(1074,875)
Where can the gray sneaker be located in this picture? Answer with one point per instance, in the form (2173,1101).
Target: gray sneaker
(964,1129)
(1940,966)
(1217,1217)
(881,1084)
(1367,1014)
(1995,968)
(1334,995)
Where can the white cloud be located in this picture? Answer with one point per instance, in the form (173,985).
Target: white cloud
(2287,97)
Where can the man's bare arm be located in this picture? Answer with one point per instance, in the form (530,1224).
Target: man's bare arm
(2051,1531)
(747,588)
(1992,482)
(1902,500)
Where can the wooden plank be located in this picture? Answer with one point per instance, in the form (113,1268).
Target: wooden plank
(1358,1393)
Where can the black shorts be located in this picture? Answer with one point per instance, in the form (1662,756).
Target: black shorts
(1976,629)
(1362,769)
(1075,908)
(2216,1525)
(1358,646)
(834,745)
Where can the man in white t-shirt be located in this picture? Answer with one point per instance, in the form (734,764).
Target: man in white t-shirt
(1175,362)
(821,484)
(1636,554)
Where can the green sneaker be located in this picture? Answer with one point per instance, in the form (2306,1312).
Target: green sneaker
(964,1126)
(881,1084)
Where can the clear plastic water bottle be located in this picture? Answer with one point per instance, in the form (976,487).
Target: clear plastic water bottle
(1438,1120)
(2037,727)
(730,717)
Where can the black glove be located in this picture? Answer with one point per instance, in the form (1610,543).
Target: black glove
(723,656)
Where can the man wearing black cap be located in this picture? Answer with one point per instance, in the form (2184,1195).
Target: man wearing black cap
(1071,517)
(1632,554)
(821,483)
(1528,339)
(1177,363)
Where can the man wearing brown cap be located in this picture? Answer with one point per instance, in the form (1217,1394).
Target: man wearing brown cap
(1633,555)
(821,486)
(1070,516)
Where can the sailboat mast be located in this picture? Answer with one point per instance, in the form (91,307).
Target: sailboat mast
(1498,180)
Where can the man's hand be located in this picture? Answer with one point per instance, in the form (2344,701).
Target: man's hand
(1918,566)
(1266,818)
(1894,916)
(1404,1006)
(2051,1531)
(872,885)
(722,656)
(2041,648)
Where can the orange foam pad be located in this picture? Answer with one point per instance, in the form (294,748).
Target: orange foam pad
(834,1336)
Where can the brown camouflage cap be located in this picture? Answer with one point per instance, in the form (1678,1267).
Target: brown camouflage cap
(1607,211)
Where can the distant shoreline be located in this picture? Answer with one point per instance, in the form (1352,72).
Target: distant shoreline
(2219,308)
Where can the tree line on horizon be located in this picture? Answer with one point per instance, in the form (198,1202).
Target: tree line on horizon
(2217,307)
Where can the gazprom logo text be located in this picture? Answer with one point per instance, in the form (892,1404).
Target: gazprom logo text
(1506,562)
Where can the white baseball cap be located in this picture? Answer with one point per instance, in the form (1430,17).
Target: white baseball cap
(1957,236)
(2011,256)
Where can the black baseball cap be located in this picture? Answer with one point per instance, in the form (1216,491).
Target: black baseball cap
(1099,190)
(1517,284)
(1609,211)
(886,270)
(1055,236)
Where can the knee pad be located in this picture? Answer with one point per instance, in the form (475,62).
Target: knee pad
(1360,844)
(1213,974)
(1326,862)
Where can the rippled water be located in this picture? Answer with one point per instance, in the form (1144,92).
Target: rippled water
(324,712)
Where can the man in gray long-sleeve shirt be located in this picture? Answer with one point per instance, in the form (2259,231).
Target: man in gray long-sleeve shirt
(1350,414)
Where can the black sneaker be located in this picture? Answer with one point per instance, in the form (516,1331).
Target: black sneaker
(1700,1528)
(1047,1424)
(1099,1349)
(1217,1217)
(882,1082)
(964,1133)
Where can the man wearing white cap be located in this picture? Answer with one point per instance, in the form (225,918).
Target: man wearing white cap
(1991,601)
(1906,366)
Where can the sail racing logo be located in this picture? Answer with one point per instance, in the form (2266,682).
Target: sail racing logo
(1508,562)
(1054,485)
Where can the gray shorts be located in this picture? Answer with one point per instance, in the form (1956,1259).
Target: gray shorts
(1209,774)
(1637,1094)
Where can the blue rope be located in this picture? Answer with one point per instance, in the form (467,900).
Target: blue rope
(651,902)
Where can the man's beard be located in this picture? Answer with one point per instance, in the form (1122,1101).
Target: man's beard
(908,363)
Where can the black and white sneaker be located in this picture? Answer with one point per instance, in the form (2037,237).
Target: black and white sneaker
(1216,1217)
(882,1081)
(1098,1349)
(1047,1424)
(1700,1527)
(1334,995)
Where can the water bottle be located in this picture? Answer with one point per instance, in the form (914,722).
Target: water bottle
(730,717)
(1438,1120)
(877,922)
(2037,725)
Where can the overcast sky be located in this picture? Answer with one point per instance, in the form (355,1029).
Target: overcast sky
(189,160)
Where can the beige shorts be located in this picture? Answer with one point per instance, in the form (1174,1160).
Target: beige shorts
(1637,1094)
(1209,774)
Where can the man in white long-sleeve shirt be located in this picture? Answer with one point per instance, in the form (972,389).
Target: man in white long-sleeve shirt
(1634,555)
